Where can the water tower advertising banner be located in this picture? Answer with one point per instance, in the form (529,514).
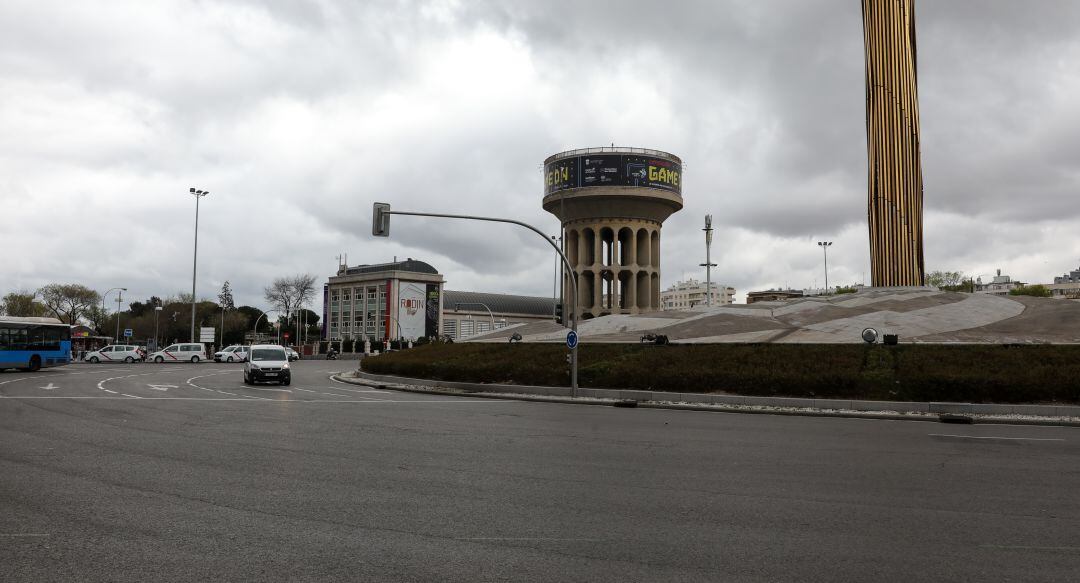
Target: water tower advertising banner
(588,170)
(412,312)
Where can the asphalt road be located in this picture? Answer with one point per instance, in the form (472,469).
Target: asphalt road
(179,472)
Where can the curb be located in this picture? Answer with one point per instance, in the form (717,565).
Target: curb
(746,409)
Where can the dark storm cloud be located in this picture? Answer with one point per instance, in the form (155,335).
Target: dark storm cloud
(299,115)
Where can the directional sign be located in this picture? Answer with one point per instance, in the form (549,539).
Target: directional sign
(207,334)
(128,333)
(49,387)
(161,387)
(571,339)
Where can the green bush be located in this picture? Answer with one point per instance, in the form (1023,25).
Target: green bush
(913,372)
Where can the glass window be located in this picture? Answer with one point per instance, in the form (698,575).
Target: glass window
(172,348)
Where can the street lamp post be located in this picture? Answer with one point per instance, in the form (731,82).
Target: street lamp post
(105,295)
(825,247)
(195,255)
(490,314)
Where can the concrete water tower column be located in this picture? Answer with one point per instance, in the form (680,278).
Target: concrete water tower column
(612,203)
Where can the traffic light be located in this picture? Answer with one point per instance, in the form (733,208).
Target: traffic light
(558,313)
(380,220)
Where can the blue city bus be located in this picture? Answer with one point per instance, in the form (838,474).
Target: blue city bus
(33,343)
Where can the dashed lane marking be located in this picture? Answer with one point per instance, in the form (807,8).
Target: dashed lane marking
(993,437)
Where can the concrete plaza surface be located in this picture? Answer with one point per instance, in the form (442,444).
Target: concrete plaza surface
(152,473)
(914,314)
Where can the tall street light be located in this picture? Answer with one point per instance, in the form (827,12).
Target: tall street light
(105,295)
(195,255)
(825,247)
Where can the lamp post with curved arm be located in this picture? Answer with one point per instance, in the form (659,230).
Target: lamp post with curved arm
(458,305)
(106,294)
(255,330)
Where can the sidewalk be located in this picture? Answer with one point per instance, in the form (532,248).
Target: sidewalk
(1066,415)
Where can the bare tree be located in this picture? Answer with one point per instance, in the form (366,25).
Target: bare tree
(68,301)
(279,294)
(290,293)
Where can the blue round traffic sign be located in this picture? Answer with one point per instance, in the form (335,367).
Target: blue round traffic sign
(571,339)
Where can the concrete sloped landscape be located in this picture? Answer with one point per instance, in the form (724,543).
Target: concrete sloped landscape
(924,315)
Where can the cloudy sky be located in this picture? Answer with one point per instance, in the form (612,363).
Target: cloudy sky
(297,115)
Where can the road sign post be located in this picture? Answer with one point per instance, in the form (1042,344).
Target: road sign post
(207,334)
(127,333)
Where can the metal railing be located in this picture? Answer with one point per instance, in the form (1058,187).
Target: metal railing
(613,150)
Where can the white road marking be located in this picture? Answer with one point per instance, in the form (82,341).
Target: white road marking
(161,387)
(531,538)
(204,376)
(23,534)
(992,437)
(49,387)
(244,398)
(359,390)
(108,391)
(101,383)
(1027,548)
(132,396)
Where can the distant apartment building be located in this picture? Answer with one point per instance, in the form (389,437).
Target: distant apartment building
(1001,285)
(1066,286)
(684,295)
(1071,277)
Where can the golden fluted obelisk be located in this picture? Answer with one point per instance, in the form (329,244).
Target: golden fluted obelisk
(895,210)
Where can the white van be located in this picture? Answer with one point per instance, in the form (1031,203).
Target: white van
(180,353)
(115,353)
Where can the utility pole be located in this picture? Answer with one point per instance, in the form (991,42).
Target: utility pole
(708,265)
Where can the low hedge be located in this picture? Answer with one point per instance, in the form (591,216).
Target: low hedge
(912,372)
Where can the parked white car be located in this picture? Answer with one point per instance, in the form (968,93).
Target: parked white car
(180,353)
(231,354)
(115,353)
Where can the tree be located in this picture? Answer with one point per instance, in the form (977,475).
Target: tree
(68,301)
(96,316)
(22,303)
(289,293)
(1037,290)
(946,280)
(225,298)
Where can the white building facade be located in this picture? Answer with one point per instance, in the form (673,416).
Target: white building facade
(684,295)
(402,299)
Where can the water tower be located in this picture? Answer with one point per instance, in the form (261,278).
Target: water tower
(612,203)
